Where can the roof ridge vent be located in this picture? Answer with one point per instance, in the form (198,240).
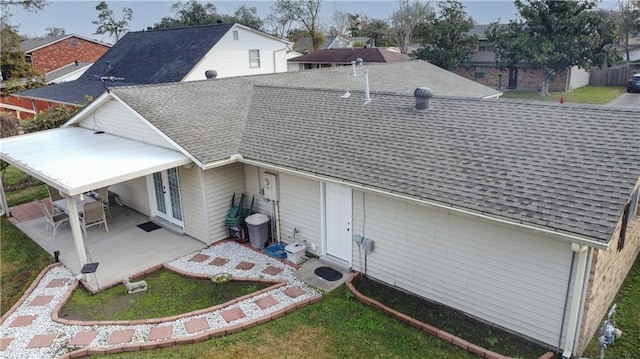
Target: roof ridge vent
(422,95)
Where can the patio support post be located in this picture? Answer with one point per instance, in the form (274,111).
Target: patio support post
(76,231)
(4,211)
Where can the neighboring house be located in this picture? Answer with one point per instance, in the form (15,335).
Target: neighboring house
(169,55)
(482,69)
(360,41)
(519,213)
(303,44)
(58,58)
(343,57)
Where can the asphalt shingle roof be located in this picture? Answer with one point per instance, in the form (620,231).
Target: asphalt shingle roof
(564,167)
(140,57)
(370,54)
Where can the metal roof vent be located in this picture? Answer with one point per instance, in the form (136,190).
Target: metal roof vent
(211,74)
(423,95)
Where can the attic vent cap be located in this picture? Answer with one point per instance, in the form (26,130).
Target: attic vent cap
(359,61)
(211,74)
(422,95)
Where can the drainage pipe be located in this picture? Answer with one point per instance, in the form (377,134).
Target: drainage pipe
(566,301)
(576,298)
(584,293)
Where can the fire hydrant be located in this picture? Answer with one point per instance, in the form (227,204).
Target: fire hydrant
(562,99)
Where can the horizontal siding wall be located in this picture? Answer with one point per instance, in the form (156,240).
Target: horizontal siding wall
(114,118)
(300,208)
(230,57)
(133,194)
(193,205)
(219,185)
(506,276)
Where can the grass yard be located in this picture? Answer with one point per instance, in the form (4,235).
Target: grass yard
(168,294)
(627,319)
(597,95)
(21,188)
(21,260)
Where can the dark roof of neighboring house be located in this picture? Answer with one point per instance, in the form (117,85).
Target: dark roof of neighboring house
(565,167)
(303,44)
(345,56)
(30,45)
(140,57)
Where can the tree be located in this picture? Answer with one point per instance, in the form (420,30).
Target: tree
(404,21)
(555,35)
(14,67)
(30,5)
(108,24)
(55,31)
(247,16)
(191,13)
(340,23)
(445,39)
(379,31)
(10,125)
(628,21)
(305,12)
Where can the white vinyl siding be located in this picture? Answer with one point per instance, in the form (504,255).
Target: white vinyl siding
(133,194)
(114,118)
(509,277)
(230,57)
(219,185)
(193,204)
(300,208)
(253,175)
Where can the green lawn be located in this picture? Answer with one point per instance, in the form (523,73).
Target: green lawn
(588,94)
(22,189)
(627,319)
(21,260)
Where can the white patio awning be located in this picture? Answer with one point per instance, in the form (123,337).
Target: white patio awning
(77,160)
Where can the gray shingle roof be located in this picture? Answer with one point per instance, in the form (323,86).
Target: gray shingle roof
(346,55)
(564,167)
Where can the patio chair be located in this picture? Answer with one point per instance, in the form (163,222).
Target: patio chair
(233,222)
(103,195)
(92,215)
(54,195)
(55,220)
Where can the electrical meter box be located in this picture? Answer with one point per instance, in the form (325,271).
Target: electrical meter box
(270,186)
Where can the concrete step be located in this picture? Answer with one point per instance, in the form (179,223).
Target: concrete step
(335,263)
(167,225)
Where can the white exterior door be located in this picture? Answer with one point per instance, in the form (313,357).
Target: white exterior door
(165,196)
(338,217)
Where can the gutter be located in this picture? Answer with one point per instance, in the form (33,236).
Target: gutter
(574,238)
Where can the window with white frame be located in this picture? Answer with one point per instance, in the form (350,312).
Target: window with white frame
(254,59)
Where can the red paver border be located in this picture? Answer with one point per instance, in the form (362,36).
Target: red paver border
(457,341)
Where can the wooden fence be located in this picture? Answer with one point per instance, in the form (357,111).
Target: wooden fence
(610,76)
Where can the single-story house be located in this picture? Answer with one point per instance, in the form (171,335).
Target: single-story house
(343,57)
(168,55)
(519,213)
(482,69)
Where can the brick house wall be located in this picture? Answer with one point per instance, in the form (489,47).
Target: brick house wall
(528,78)
(608,271)
(65,52)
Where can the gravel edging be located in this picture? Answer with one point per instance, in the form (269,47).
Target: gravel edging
(472,348)
(16,338)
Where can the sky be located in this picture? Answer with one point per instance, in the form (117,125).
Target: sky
(75,16)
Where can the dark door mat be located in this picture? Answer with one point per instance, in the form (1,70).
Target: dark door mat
(328,273)
(148,226)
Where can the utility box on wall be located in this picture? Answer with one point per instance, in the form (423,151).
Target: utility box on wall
(270,186)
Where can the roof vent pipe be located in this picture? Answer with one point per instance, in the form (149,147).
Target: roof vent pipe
(353,65)
(423,95)
(211,74)
(359,61)
(367,98)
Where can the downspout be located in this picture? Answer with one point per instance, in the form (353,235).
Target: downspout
(584,296)
(576,298)
(566,301)
(274,59)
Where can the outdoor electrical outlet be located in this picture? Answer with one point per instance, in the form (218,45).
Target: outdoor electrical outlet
(357,238)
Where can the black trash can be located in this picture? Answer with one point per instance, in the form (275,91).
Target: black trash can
(258,228)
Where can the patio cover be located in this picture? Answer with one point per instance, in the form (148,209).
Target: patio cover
(76,160)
